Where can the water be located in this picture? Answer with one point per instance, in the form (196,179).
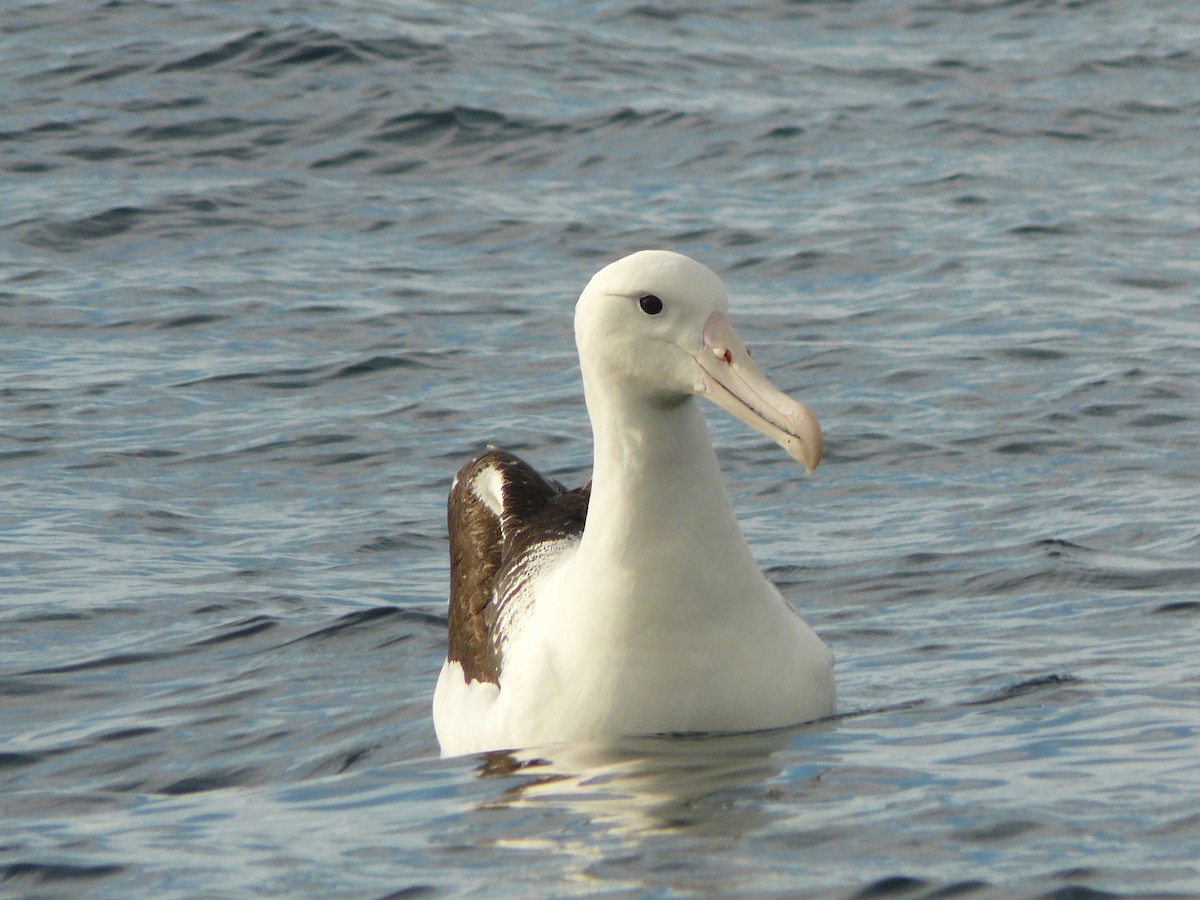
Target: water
(271,272)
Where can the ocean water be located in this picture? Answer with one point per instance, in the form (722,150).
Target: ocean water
(270,272)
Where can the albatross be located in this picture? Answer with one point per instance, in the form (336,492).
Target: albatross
(632,605)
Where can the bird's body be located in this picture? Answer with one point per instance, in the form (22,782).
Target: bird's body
(632,605)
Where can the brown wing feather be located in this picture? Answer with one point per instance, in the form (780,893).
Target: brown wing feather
(483,546)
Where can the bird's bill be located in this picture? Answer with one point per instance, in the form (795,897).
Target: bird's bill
(729,378)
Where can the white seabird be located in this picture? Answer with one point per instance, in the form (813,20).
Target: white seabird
(632,605)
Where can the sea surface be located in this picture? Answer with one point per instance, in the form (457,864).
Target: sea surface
(270,272)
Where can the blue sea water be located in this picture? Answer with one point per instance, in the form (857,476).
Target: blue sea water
(270,272)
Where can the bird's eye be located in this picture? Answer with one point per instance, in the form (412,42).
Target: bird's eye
(650,305)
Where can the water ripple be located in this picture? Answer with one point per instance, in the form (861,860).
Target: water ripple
(272,274)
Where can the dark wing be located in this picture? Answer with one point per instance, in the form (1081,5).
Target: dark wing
(499,514)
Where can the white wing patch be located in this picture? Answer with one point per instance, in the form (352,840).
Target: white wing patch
(488,487)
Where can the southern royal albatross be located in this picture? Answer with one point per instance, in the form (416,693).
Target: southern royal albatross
(632,605)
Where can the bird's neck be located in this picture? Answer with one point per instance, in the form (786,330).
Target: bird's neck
(656,485)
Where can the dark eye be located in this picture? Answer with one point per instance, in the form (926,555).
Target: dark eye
(650,305)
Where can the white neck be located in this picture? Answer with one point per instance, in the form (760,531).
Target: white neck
(658,500)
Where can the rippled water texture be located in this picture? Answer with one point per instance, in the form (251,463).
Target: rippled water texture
(269,273)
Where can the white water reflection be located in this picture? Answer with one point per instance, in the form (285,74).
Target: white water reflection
(636,785)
